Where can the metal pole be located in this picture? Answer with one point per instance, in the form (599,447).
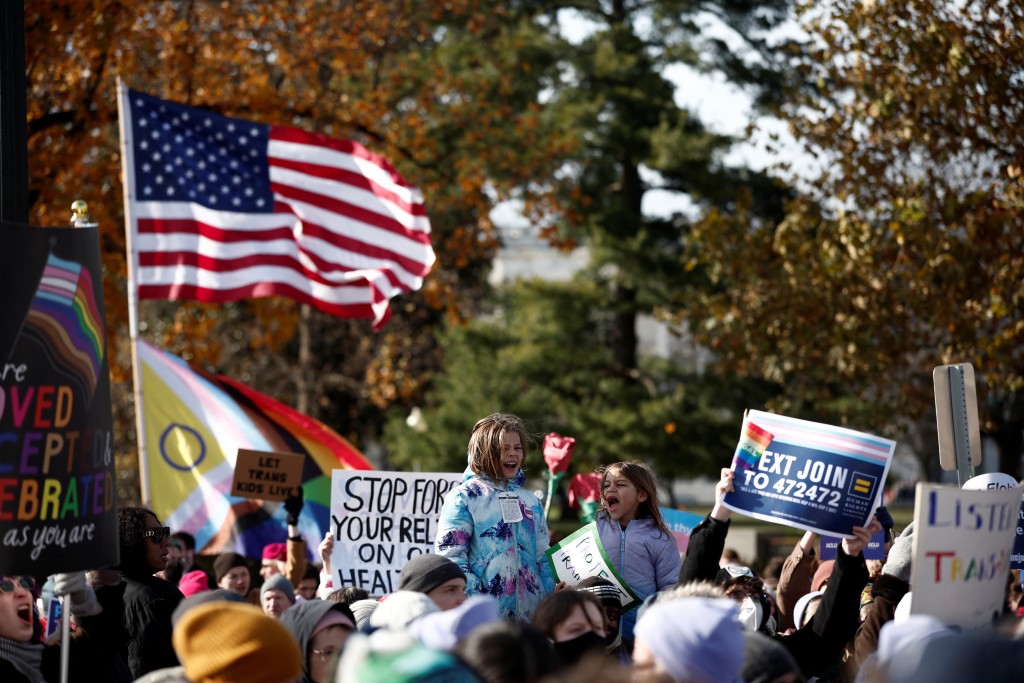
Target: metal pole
(961,436)
(13,115)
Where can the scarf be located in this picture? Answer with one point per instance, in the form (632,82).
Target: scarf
(27,658)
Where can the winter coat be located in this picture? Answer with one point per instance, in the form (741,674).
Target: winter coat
(503,559)
(818,646)
(645,557)
(148,605)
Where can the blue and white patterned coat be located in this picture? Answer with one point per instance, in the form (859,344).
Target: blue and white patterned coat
(503,559)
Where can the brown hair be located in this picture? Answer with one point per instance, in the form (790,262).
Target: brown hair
(554,608)
(642,477)
(486,440)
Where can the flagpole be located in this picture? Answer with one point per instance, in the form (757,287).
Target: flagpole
(128,182)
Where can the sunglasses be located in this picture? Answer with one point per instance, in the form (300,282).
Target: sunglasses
(157,533)
(9,583)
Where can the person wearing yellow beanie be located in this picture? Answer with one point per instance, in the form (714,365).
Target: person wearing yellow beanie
(228,642)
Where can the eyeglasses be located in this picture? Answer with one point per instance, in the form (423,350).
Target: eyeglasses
(325,655)
(7,583)
(157,533)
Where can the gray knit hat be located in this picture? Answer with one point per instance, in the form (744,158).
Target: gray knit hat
(281,583)
(901,555)
(424,573)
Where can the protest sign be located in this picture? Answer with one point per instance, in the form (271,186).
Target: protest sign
(807,475)
(874,550)
(1001,480)
(54,609)
(266,475)
(58,504)
(381,520)
(580,555)
(962,544)
(1017,557)
(681,525)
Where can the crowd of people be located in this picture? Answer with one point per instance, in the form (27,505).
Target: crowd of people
(485,606)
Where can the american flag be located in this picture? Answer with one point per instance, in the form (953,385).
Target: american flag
(222,209)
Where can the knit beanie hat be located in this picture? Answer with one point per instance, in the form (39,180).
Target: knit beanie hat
(424,573)
(228,641)
(444,630)
(280,583)
(901,555)
(193,582)
(275,551)
(225,562)
(401,608)
(202,598)
(696,639)
(765,659)
(362,609)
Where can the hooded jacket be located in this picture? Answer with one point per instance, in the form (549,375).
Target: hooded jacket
(301,620)
(645,557)
(505,560)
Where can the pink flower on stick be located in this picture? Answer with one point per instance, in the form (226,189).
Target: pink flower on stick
(558,452)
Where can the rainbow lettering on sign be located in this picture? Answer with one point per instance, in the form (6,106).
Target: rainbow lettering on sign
(752,445)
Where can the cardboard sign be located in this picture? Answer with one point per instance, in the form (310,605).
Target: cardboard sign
(1017,557)
(381,520)
(580,555)
(681,525)
(58,503)
(266,475)
(807,475)
(962,545)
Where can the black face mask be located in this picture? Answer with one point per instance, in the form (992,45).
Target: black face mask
(570,652)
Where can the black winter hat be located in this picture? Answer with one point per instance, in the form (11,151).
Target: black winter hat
(424,573)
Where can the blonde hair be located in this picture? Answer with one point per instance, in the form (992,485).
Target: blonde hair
(486,441)
(642,477)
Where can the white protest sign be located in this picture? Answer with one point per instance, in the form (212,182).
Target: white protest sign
(962,544)
(580,555)
(381,520)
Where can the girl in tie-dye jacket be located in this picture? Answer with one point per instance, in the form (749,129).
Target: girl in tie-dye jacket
(494,529)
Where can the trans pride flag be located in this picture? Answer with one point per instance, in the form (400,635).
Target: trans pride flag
(65,320)
(194,424)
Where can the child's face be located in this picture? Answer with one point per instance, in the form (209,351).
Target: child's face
(621,498)
(511,455)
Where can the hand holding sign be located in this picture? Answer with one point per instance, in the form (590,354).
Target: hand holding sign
(861,537)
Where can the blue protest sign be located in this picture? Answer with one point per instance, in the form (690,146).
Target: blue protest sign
(1017,557)
(681,525)
(875,549)
(807,475)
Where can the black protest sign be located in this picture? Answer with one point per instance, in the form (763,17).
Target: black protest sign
(58,505)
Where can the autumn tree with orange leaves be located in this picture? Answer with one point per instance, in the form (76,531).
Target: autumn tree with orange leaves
(447,91)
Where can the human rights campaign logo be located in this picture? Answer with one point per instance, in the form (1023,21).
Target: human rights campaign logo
(862,485)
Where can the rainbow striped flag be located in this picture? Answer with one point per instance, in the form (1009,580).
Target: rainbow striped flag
(194,424)
(64,319)
(753,442)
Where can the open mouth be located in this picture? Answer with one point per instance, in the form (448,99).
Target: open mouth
(612,501)
(25,613)
(510,465)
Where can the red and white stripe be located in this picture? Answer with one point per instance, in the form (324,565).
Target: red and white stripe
(347,234)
